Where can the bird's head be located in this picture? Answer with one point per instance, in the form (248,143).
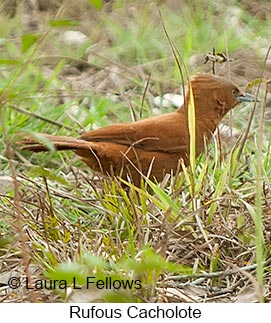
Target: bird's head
(214,96)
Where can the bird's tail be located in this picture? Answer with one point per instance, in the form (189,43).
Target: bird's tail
(45,142)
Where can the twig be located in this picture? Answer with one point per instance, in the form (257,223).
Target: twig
(37,116)
(214,274)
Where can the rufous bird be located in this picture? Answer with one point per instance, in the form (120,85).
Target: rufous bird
(153,146)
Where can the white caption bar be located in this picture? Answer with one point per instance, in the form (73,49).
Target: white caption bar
(209,313)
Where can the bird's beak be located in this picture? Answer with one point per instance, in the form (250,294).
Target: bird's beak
(245,97)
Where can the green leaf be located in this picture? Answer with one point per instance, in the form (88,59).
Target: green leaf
(94,262)
(254,83)
(38,171)
(8,61)
(64,23)
(42,139)
(191,128)
(98,4)
(151,261)
(165,199)
(162,201)
(69,271)
(27,41)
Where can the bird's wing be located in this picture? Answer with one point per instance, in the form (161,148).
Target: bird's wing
(165,133)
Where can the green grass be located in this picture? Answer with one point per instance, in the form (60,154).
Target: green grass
(69,222)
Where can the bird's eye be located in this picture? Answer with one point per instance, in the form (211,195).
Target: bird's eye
(235,91)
